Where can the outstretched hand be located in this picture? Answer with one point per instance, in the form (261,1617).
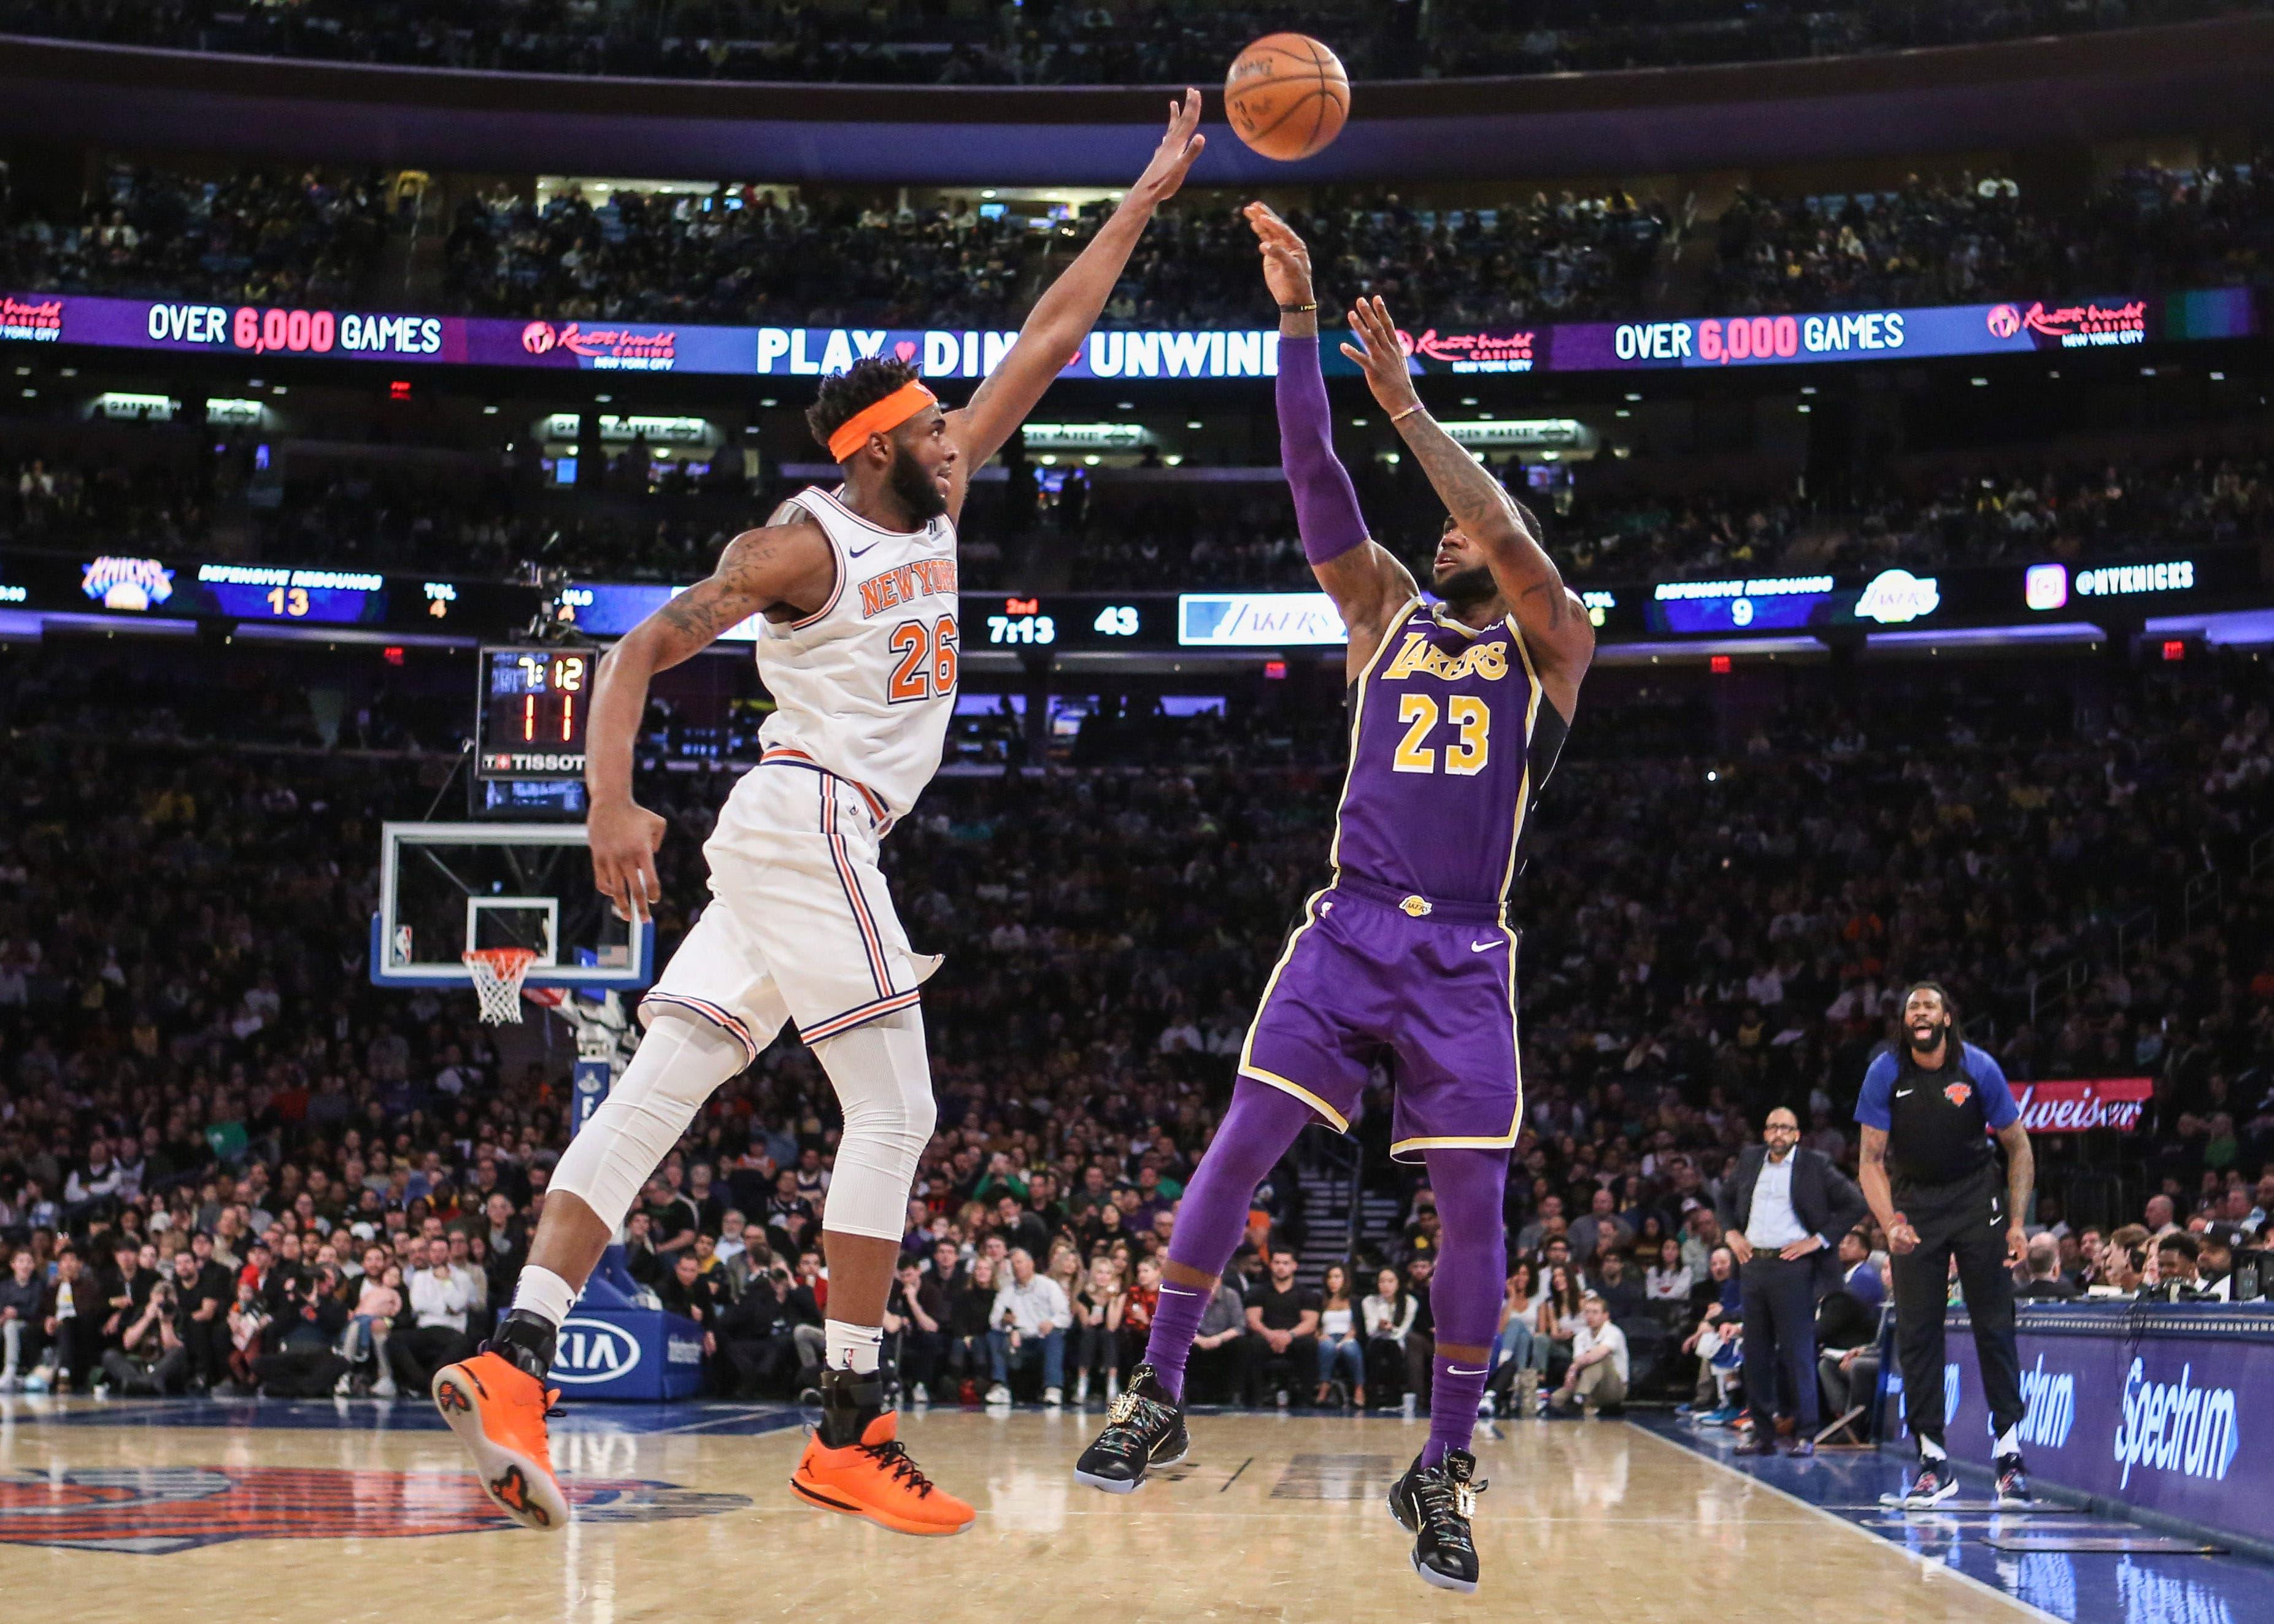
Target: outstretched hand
(1383,358)
(1286,258)
(1173,157)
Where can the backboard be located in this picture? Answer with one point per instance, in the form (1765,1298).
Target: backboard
(446,888)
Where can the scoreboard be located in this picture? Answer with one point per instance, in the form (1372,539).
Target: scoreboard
(534,704)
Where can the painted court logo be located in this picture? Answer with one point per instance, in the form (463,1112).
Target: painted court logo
(156,1511)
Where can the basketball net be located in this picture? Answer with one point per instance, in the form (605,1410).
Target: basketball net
(497,974)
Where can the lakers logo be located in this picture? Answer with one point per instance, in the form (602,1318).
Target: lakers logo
(156,1511)
(1415,907)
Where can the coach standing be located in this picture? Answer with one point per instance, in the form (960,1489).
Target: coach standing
(1783,1210)
(1929,1104)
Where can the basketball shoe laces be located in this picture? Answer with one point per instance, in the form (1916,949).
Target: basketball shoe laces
(1132,1423)
(1447,1505)
(893,1459)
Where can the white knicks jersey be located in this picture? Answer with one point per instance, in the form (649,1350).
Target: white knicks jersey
(864,686)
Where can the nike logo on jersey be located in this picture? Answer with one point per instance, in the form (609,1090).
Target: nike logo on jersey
(1483,947)
(1905,1093)
(1455,1370)
(863,551)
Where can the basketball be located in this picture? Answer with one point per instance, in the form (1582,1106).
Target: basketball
(1287,96)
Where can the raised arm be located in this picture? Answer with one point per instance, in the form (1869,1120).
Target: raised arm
(1368,585)
(1555,622)
(1069,308)
(788,563)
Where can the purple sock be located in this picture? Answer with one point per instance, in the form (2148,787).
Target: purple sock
(1464,1292)
(1255,1132)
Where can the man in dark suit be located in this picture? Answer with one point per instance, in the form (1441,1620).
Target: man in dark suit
(1782,1208)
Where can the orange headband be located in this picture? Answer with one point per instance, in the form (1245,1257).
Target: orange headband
(879,418)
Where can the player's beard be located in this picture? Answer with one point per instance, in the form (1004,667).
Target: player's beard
(1465,589)
(914,487)
(1918,1050)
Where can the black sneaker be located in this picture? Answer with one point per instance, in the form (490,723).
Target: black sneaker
(1434,1504)
(1144,1429)
(1935,1484)
(2013,1483)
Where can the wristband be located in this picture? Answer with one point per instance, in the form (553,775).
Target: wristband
(1297,310)
(1400,416)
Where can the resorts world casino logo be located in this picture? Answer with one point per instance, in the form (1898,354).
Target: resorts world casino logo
(2071,326)
(1473,352)
(158,1510)
(639,350)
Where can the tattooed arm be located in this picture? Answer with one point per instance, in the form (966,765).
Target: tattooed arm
(788,565)
(1554,622)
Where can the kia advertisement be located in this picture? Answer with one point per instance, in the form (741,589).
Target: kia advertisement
(1133,355)
(2154,1404)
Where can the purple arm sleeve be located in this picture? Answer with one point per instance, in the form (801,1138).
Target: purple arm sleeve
(1325,507)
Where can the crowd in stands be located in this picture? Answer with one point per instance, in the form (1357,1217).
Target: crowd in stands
(1052,42)
(225,1159)
(639,519)
(260,236)
(754,253)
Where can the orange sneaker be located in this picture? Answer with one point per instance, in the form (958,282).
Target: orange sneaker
(870,1476)
(498,1411)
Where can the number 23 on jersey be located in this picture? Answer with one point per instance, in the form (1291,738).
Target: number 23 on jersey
(925,665)
(1465,752)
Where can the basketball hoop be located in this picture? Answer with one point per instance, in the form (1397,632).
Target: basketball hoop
(497,972)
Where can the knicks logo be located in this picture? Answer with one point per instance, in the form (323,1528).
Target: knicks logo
(1956,1093)
(1488,660)
(157,1510)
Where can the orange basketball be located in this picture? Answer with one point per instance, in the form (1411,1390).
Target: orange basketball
(1287,96)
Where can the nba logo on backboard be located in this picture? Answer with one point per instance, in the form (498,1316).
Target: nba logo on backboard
(2045,586)
(403,944)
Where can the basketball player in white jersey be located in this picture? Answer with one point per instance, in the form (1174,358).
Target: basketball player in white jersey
(855,595)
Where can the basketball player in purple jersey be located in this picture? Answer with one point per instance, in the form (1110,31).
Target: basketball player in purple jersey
(1458,709)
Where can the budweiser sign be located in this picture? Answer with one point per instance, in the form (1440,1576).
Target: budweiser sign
(2073,1105)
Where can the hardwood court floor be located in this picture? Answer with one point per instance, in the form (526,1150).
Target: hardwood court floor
(137,1513)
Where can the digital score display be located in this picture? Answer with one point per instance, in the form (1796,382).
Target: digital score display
(533,706)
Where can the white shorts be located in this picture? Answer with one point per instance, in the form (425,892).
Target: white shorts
(801,926)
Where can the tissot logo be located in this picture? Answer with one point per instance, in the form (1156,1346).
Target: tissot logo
(593,1350)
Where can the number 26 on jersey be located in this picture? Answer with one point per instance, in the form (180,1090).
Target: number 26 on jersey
(925,667)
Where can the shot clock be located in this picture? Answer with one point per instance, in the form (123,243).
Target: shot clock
(530,724)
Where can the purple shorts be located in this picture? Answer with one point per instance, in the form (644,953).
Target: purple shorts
(1369,974)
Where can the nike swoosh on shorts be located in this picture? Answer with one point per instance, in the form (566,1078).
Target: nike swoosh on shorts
(1455,1370)
(1174,1291)
(1483,947)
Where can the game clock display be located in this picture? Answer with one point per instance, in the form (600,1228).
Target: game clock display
(533,704)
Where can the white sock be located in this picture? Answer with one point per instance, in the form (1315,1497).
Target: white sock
(545,1294)
(1931,1453)
(852,1347)
(2009,1442)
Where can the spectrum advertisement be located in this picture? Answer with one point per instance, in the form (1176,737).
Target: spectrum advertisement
(1137,356)
(2154,1404)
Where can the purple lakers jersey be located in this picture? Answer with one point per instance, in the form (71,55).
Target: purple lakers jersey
(1451,740)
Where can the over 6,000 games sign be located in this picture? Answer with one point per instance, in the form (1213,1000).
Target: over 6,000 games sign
(1124,355)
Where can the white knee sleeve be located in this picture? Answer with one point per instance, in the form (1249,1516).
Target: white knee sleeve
(681,1062)
(883,1085)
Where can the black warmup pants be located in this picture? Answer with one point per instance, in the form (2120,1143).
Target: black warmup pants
(1966,1221)
(1779,1309)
